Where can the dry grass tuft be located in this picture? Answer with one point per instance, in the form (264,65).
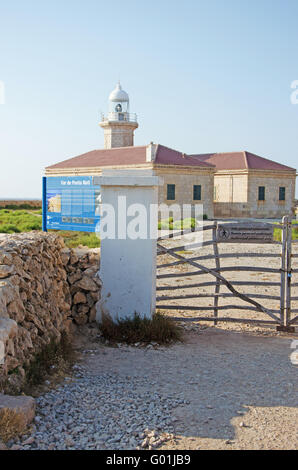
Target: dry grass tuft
(11,424)
(54,354)
(159,329)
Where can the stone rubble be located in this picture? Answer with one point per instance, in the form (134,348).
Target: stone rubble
(103,411)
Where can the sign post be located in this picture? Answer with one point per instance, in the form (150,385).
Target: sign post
(44,204)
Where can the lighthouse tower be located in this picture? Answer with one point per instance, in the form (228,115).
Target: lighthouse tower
(119,124)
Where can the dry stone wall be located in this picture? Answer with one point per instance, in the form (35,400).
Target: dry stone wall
(81,266)
(44,288)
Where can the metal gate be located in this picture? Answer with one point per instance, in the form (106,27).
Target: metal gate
(291,317)
(270,299)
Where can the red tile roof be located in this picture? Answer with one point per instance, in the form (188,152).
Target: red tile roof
(105,157)
(166,156)
(128,156)
(240,161)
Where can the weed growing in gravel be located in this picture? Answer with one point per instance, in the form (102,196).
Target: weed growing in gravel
(159,329)
(11,424)
(53,354)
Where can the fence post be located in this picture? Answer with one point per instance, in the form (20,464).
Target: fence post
(284,231)
(128,265)
(217,266)
(289,271)
(286,277)
(44,204)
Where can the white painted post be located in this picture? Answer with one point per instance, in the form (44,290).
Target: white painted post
(128,266)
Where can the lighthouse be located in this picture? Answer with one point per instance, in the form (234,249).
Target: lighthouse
(118,124)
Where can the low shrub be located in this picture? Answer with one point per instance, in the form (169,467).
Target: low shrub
(183,224)
(278,232)
(9,228)
(24,206)
(52,354)
(11,424)
(17,221)
(72,239)
(159,329)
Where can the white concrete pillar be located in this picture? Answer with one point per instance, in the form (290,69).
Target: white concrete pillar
(128,266)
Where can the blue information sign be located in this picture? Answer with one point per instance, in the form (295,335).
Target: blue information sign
(71,203)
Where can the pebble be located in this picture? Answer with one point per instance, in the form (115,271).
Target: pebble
(16,447)
(28,441)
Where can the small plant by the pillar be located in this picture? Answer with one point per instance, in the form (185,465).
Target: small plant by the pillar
(160,329)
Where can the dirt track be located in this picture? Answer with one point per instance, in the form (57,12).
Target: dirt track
(241,385)
(242,391)
(240,388)
(218,389)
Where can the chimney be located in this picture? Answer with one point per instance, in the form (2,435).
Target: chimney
(151,152)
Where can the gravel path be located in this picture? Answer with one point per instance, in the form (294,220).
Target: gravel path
(218,390)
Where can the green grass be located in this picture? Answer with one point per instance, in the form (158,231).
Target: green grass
(169,224)
(21,220)
(16,221)
(74,239)
(277,232)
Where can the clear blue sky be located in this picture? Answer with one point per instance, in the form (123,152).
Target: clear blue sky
(203,76)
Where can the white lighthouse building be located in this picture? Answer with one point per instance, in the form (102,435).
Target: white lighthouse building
(230,184)
(119,124)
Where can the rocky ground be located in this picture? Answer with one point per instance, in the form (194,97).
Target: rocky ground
(220,389)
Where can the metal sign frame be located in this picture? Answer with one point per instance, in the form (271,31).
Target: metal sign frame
(245,233)
(70,203)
